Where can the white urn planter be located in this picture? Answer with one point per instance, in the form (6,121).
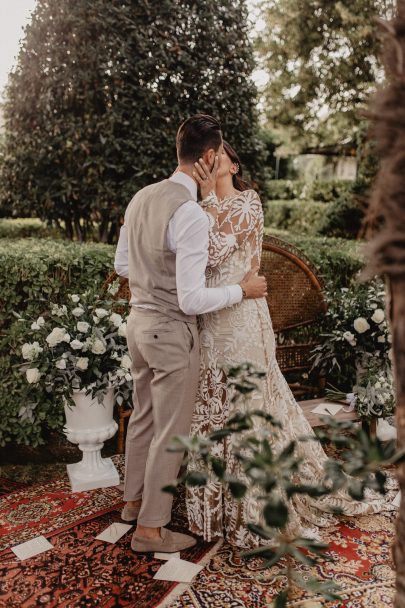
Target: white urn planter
(89,424)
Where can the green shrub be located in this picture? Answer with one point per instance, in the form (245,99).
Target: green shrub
(297,216)
(22,228)
(338,260)
(343,218)
(35,272)
(320,191)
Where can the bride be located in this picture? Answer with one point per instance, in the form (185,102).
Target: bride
(236,335)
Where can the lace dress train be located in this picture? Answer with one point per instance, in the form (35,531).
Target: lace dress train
(232,336)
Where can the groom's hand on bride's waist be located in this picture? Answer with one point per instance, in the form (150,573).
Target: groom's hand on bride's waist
(254,286)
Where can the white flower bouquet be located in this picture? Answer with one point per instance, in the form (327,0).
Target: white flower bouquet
(356,349)
(372,397)
(80,345)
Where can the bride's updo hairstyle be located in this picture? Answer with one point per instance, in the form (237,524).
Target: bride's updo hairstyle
(238,183)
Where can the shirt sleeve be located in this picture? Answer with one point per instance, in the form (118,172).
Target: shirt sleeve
(190,235)
(121,253)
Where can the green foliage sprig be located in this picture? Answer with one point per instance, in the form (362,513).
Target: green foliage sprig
(274,475)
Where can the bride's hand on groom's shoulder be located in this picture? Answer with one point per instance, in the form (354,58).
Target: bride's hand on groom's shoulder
(205,178)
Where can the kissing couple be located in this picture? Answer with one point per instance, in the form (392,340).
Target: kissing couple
(190,247)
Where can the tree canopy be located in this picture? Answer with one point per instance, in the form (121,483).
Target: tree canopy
(98,93)
(322,61)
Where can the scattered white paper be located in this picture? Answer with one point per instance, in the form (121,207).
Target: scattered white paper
(32,547)
(329,409)
(178,570)
(114,532)
(397,500)
(167,556)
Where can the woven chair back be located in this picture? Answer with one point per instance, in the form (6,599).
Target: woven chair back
(295,290)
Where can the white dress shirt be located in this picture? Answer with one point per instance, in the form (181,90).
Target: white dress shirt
(187,237)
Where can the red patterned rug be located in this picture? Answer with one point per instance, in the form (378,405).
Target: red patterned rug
(7,486)
(83,572)
(50,508)
(362,566)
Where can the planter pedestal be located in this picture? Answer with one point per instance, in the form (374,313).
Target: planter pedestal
(89,424)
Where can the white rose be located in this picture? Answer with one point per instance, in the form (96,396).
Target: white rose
(378,316)
(122,330)
(33,375)
(390,354)
(76,344)
(66,338)
(96,320)
(101,313)
(75,298)
(350,338)
(31,350)
(78,311)
(40,322)
(126,362)
(61,364)
(381,339)
(82,326)
(361,325)
(128,377)
(57,335)
(82,363)
(116,319)
(98,347)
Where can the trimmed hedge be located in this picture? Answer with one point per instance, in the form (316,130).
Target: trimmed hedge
(338,260)
(297,216)
(38,271)
(22,228)
(320,191)
(35,272)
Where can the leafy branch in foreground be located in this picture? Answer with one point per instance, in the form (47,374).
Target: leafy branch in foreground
(276,477)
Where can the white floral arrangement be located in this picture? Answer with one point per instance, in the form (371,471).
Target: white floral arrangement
(80,345)
(357,349)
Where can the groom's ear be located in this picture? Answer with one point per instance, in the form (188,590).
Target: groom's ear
(209,157)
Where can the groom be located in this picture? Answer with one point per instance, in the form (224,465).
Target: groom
(163,250)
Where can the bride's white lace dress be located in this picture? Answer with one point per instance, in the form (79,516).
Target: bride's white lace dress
(235,335)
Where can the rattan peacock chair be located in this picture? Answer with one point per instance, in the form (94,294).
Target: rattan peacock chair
(295,299)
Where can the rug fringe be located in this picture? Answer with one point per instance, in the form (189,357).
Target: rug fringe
(182,587)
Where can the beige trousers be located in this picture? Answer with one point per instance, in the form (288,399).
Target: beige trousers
(165,369)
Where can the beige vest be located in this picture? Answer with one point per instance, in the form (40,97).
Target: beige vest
(152,266)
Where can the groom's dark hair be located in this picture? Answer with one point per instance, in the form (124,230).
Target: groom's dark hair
(196,135)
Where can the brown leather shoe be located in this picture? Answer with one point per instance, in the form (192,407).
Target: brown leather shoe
(130,514)
(170,542)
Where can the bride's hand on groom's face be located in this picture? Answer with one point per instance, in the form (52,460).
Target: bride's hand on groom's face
(206,179)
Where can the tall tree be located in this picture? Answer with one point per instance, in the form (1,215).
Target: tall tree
(322,61)
(99,91)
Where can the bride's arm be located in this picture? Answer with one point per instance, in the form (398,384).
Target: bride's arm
(243,223)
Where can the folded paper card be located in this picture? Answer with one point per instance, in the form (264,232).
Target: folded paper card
(178,570)
(114,532)
(32,547)
(328,409)
(166,556)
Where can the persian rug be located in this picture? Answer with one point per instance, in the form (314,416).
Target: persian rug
(361,566)
(7,486)
(50,508)
(81,571)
